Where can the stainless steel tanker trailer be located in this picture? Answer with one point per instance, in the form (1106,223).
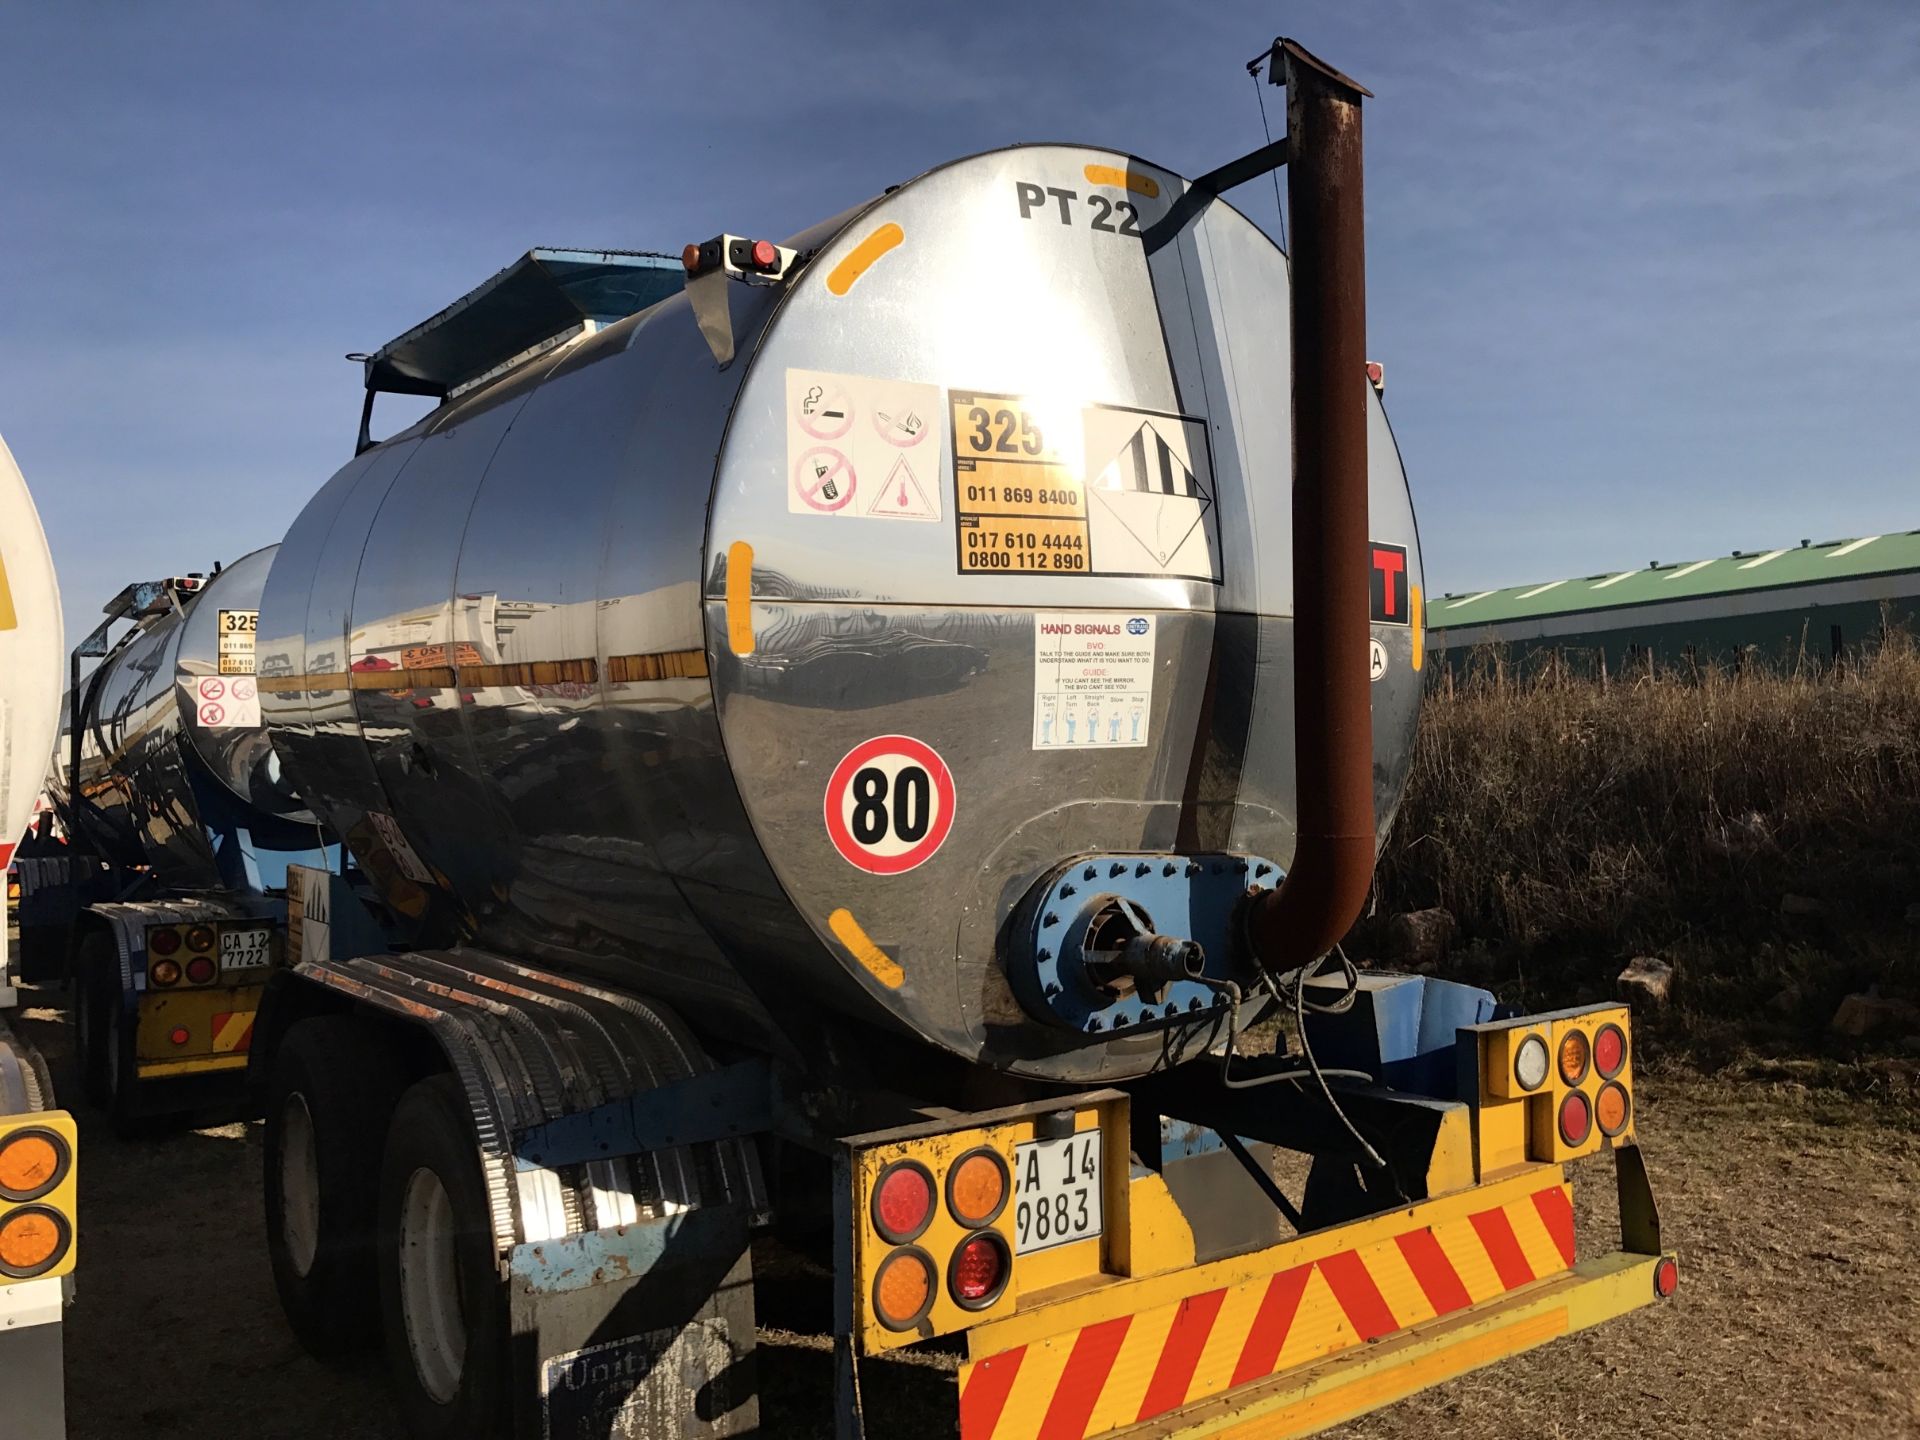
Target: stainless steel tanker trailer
(39,1143)
(181,828)
(858,729)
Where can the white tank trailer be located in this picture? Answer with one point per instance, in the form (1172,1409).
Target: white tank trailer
(904,643)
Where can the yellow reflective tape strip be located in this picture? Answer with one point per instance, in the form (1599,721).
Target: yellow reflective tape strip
(740,597)
(1243,1276)
(862,256)
(1419,628)
(1396,1381)
(160,1069)
(1133,1370)
(1126,179)
(8,619)
(1398,1285)
(230,1033)
(1536,1242)
(1461,1244)
(1320,1327)
(879,964)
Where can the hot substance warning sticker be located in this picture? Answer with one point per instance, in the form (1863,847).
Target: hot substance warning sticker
(1092,680)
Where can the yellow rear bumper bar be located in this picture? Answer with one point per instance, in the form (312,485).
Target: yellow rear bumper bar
(1353,1382)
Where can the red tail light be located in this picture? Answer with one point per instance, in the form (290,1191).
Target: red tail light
(1609,1051)
(903,1201)
(1576,1118)
(201,969)
(163,942)
(978,1274)
(1666,1277)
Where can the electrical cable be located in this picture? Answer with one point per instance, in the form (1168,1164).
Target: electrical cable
(1260,96)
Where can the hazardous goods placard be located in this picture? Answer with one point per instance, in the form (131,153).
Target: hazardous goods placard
(862,449)
(1092,680)
(237,629)
(1094,490)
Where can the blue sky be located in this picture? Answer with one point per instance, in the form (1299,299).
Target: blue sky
(1646,278)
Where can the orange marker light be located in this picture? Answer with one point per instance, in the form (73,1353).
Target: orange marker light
(164,972)
(903,1290)
(31,1163)
(1612,1109)
(200,939)
(32,1240)
(977,1188)
(1575,1055)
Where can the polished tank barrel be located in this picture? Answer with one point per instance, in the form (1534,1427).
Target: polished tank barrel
(30,655)
(166,728)
(786,686)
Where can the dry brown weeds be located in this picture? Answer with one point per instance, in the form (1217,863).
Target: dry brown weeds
(1572,822)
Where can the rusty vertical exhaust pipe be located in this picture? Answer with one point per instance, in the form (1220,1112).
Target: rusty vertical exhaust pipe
(1326,887)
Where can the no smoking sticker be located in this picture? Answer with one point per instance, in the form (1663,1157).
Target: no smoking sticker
(889,804)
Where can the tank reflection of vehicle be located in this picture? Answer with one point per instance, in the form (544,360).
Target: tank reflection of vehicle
(882,670)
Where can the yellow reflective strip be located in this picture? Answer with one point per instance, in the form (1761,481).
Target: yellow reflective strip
(1397,1284)
(1469,1258)
(1132,1372)
(1226,1340)
(8,620)
(160,1069)
(1033,1387)
(740,597)
(879,964)
(1419,627)
(1126,179)
(1397,1381)
(230,1033)
(1536,1243)
(1320,1326)
(842,279)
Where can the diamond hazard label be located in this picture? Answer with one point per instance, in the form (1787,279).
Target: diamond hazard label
(1100,490)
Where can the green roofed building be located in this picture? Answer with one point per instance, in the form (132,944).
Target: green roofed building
(1812,600)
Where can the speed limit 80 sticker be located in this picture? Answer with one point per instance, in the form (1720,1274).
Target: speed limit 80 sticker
(889,804)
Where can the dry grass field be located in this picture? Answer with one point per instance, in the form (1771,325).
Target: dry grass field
(1759,828)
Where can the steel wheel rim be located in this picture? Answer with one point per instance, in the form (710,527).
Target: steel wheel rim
(430,1286)
(299,1185)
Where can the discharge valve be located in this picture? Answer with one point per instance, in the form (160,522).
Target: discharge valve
(1120,942)
(1123,954)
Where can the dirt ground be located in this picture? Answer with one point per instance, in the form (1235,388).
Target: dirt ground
(1798,1312)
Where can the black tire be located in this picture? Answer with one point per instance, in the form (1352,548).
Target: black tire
(122,1082)
(432,1132)
(347,1080)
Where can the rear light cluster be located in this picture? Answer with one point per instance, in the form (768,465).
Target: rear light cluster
(36,1233)
(1588,1070)
(182,952)
(905,1201)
